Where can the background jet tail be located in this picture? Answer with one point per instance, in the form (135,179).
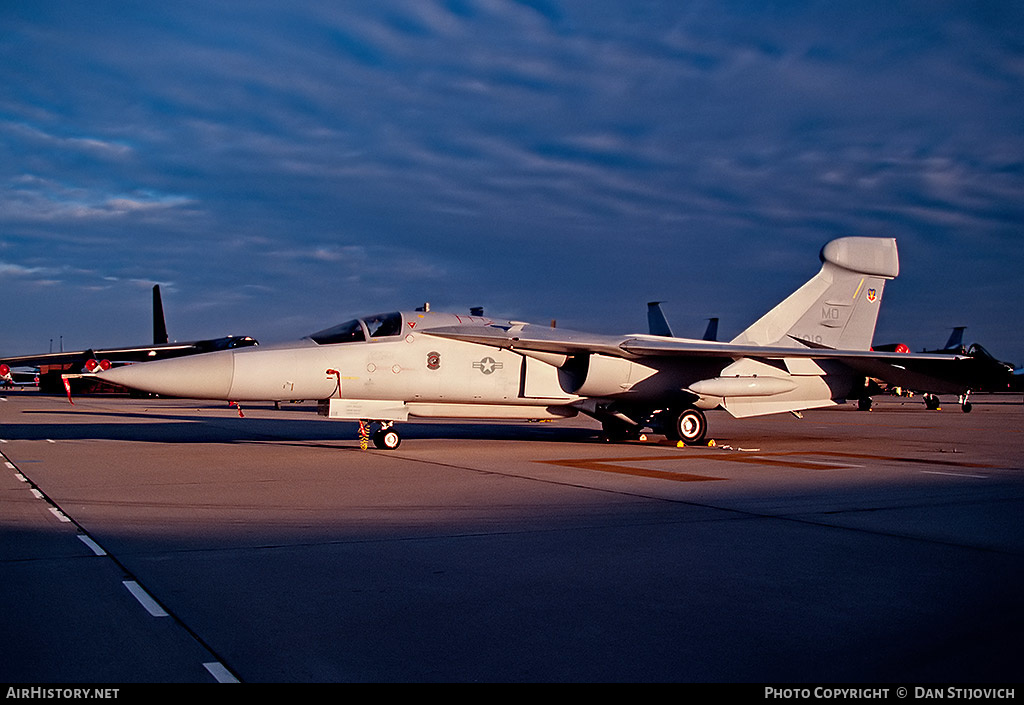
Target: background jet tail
(956,339)
(657,324)
(159,326)
(711,332)
(838,307)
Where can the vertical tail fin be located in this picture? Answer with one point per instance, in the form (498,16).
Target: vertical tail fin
(838,307)
(956,339)
(711,332)
(159,326)
(657,324)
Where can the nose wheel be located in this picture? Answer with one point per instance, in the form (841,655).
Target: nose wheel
(386,437)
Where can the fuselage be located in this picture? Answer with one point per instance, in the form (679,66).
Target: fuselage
(390,366)
(385,357)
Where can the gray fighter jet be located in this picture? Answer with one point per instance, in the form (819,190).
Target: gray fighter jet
(811,350)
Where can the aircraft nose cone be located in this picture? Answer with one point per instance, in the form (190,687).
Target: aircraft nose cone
(204,376)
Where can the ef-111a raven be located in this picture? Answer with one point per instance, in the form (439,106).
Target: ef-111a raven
(811,350)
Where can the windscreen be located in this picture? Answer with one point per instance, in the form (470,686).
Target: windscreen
(347,332)
(384,324)
(380,325)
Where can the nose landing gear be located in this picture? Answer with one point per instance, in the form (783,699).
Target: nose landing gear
(386,437)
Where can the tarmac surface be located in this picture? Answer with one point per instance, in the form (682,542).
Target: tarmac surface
(177,541)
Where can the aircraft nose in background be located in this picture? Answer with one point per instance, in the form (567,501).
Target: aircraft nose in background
(205,376)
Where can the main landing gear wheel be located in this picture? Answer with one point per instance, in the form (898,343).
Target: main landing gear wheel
(690,426)
(387,439)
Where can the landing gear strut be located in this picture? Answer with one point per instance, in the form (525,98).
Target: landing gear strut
(616,430)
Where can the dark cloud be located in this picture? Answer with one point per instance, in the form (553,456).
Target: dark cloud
(279,167)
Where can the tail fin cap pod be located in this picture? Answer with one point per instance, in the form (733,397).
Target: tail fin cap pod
(864,255)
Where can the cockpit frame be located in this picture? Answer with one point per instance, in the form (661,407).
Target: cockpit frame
(360,330)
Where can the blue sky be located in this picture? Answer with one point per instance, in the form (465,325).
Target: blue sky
(280,167)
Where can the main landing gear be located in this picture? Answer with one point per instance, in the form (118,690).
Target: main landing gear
(965,402)
(688,425)
(932,403)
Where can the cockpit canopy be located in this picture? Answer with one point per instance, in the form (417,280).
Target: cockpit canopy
(381,325)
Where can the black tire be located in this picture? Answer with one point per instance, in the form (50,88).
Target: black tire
(387,439)
(690,426)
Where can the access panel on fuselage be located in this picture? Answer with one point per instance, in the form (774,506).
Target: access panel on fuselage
(419,367)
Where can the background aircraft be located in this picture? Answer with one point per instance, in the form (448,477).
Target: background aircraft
(13,378)
(992,375)
(811,350)
(53,368)
(657,324)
